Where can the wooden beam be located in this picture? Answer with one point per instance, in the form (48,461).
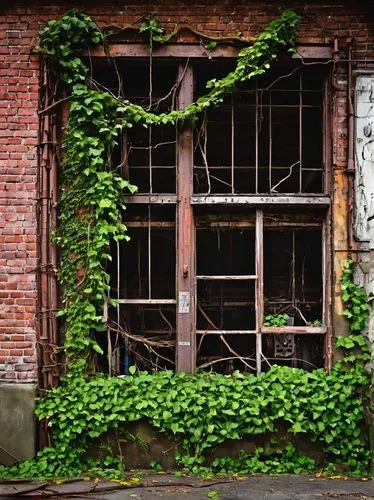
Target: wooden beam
(197,50)
(294,330)
(227,277)
(168,224)
(225,332)
(145,199)
(185,349)
(146,301)
(259,285)
(293,200)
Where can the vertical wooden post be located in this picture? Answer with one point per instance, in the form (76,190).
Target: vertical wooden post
(185,348)
(259,286)
(327,241)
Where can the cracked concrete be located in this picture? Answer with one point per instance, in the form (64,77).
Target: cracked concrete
(151,486)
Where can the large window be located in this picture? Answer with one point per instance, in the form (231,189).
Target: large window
(226,268)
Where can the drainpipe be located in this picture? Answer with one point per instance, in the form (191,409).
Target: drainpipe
(351,162)
(336,58)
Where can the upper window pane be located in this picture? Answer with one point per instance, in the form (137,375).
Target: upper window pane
(145,155)
(266,138)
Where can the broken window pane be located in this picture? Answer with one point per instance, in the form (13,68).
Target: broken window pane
(225,305)
(293,274)
(225,251)
(299,351)
(267,138)
(226,353)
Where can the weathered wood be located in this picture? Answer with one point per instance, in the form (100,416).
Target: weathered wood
(145,199)
(153,223)
(225,332)
(146,301)
(195,50)
(259,286)
(227,277)
(294,200)
(185,349)
(294,330)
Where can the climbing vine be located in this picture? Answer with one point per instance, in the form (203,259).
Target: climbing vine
(203,410)
(91,197)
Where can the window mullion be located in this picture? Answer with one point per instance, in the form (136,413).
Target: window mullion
(185,348)
(259,286)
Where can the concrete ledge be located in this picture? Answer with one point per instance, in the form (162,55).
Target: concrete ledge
(17,422)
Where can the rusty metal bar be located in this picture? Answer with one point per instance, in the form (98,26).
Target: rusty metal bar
(232,146)
(154,223)
(256,139)
(47,300)
(327,248)
(288,106)
(53,188)
(350,160)
(185,351)
(327,288)
(300,133)
(293,269)
(247,224)
(149,243)
(270,142)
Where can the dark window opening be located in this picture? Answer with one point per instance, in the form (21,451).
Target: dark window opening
(143,319)
(297,351)
(225,305)
(220,353)
(266,138)
(293,275)
(146,156)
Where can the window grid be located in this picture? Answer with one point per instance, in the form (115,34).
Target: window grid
(185,333)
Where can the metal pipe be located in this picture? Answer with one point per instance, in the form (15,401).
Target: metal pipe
(350,163)
(53,255)
(335,55)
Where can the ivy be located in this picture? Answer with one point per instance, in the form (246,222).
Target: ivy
(90,218)
(152,27)
(355,299)
(201,411)
(276,319)
(62,39)
(282,461)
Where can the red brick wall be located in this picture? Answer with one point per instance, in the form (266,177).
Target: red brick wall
(20,22)
(18,171)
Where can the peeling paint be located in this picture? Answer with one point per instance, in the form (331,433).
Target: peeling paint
(364,157)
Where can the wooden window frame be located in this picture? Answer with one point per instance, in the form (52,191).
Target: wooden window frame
(186,202)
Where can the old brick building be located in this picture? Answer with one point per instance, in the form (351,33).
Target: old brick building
(284,180)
